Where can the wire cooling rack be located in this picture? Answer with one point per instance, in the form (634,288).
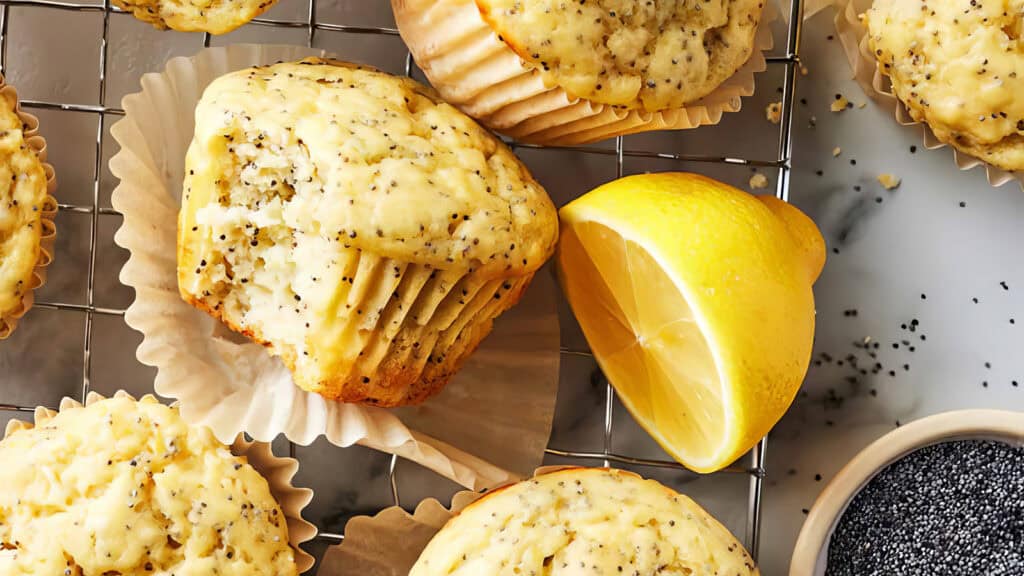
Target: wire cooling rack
(789,60)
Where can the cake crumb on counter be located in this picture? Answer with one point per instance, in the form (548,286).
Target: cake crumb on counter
(840,103)
(758,181)
(889,181)
(773,112)
(836,151)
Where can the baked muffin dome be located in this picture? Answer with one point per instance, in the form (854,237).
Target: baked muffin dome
(126,487)
(648,55)
(214,16)
(959,67)
(362,229)
(23,201)
(584,521)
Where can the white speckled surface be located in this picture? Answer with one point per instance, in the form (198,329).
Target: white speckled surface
(917,240)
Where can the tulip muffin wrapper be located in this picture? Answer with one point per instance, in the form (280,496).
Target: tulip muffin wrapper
(476,71)
(9,320)
(506,389)
(866,71)
(390,542)
(278,472)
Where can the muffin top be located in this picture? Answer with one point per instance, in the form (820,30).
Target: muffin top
(646,55)
(126,487)
(584,521)
(22,195)
(351,157)
(959,66)
(214,16)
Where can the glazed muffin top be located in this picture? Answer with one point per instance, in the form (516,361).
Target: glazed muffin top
(213,16)
(22,196)
(646,55)
(351,157)
(959,66)
(126,487)
(584,521)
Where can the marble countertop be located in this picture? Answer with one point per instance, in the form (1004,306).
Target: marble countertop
(930,271)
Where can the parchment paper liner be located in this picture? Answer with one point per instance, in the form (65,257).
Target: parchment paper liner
(474,70)
(854,36)
(507,389)
(9,320)
(278,473)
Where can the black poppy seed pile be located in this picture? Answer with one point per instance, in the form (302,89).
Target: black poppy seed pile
(950,509)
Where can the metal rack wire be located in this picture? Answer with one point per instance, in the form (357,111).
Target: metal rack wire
(789,60)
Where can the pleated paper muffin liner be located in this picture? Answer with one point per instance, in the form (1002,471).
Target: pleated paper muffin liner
(423,321)
(9,319)
(506,389)
(477,72)
(390,542)
(854,36)
(278,472)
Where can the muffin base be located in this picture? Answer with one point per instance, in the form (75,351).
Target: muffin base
(422,323)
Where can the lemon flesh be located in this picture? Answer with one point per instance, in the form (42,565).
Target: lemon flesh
(696,300)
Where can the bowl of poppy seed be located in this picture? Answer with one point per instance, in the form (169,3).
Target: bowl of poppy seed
(941,495)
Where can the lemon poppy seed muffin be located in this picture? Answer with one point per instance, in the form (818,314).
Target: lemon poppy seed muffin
(213,16)
(23,203)
(584,521)
(362,229)
(126,487)
(576,72)
(648,55)
(957,66)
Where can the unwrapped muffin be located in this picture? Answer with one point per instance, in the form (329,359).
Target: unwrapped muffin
(26,211)
(957,66)
(213,16)
(363,230)
(126,487)
(584,521)
(573,72)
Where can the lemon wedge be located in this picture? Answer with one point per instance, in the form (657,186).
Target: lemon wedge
(696,300)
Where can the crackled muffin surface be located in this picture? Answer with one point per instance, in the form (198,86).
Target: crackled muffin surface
(958,66)
(584,521)
(126,487)
(647,55)
(365,231)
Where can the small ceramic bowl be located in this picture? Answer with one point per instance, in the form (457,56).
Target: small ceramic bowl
(811,553)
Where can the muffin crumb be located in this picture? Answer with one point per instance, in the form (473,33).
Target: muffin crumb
(758,181)
(839,104)
(889,181)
